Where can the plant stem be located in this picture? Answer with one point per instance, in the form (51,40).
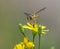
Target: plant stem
(33,40)
(23,34)
(39,42)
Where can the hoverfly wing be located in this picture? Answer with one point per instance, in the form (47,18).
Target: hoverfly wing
(27,14)
(40,10)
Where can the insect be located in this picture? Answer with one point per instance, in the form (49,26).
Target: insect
(34,16)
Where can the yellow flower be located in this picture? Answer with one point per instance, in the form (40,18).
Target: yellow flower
(30,45)
(43,29)
(25,40)
(19,46)
(25,44)
(40,29)
(31,27)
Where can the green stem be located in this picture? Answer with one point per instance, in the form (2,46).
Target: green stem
(33,40)
(23,34)
(39,42)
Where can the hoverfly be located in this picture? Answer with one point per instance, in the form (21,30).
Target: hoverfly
(34,16)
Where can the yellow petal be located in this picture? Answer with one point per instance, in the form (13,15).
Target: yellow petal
(35,25)
(30,45)
(35,28)
(31,27)
(19,46)
(25,26)
(25,40)
(44,31)
(29,24)
(43,27)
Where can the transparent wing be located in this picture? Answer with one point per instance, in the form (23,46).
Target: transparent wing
(27,14)
(40,10)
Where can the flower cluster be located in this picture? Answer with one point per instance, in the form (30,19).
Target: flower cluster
(25,44)
(35,28)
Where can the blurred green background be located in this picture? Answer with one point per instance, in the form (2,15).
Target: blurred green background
(12,13)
